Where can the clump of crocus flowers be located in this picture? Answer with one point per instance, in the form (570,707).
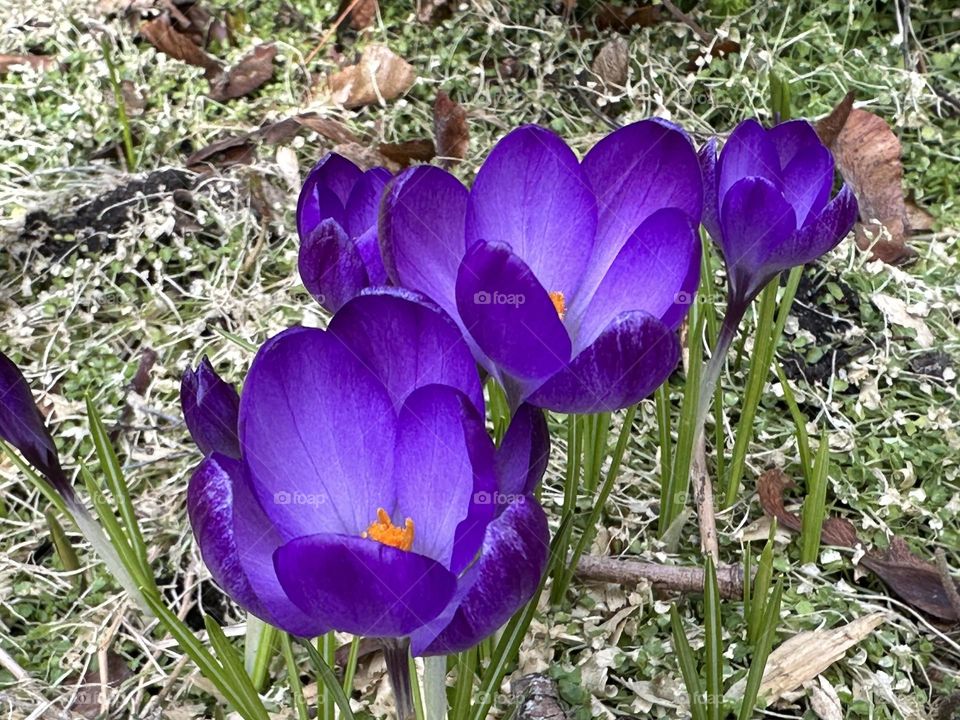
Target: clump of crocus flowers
(352,485)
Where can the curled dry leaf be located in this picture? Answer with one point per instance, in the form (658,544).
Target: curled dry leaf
(253,70)
(450,129)
(10,63)
(895,311)
(914,580)
(161,33)
(868,156)
(612,63)
(381,75)
(411,151)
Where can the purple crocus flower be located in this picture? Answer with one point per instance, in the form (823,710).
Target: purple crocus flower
(22,425)
(568,278)
(767,203)
(205,398)
(337,224)
(367,496)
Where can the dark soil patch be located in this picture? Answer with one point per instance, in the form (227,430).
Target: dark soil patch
(828,319)
(92,225)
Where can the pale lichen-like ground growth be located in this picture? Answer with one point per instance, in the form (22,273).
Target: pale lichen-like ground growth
(77,310)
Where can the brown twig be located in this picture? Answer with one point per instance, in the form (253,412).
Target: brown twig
(666,577)
(536,697)
(678,14)
(703,497)
(949,586)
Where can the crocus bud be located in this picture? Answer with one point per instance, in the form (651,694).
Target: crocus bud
(210,406)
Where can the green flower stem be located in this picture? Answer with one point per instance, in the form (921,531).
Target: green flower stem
(396,653)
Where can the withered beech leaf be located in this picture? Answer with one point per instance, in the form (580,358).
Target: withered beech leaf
(612,63)
(381,74)
(251,71)
(233,150)
(37,62)
(405,153)
(160,33)
(914,580)
(868,157)
(450,129)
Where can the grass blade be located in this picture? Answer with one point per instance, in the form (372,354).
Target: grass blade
(761,586)
(293,678)
(758,663)
(799,421)
(713,647)
(673,496)
(110,466)
(688,666)
(814,505)
(662,403)
(329,680)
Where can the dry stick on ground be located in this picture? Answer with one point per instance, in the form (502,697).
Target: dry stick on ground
(666,577)
(536,697)
(949,586)
(703,498)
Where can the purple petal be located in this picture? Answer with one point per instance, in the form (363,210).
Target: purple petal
(421,233)
(407,342)
(627,362)
(509,314)
(807,182)
(325,192)
(634,172)
(363,206)
(368,245)
(510,567)
(756,220)
(521,459)
(792,139)
(818,237)
(22,425)
(530,193)
(237,543)
(749,152)
(657,271)
(711,205)
(210,407)
(330,266)
(361,586)
(317,432)
(443,470)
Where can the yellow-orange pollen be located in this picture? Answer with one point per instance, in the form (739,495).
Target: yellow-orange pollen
(559,302)
(384,531)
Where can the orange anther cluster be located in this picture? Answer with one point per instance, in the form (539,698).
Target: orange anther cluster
(384,531)
(559,302)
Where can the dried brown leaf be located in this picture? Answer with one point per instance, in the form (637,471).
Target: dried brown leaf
(381,74)
(914,580)
(253,70)
(612,63)
(18,62)
(160,33)
(361,15)
(406,153)
(286,129)
(234,150)
(622,19)
(829,127)
(450,129)
(868,156)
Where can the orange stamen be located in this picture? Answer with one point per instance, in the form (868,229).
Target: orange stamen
(384,531)
(559,303)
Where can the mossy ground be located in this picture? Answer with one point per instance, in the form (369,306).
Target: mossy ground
(79,320)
